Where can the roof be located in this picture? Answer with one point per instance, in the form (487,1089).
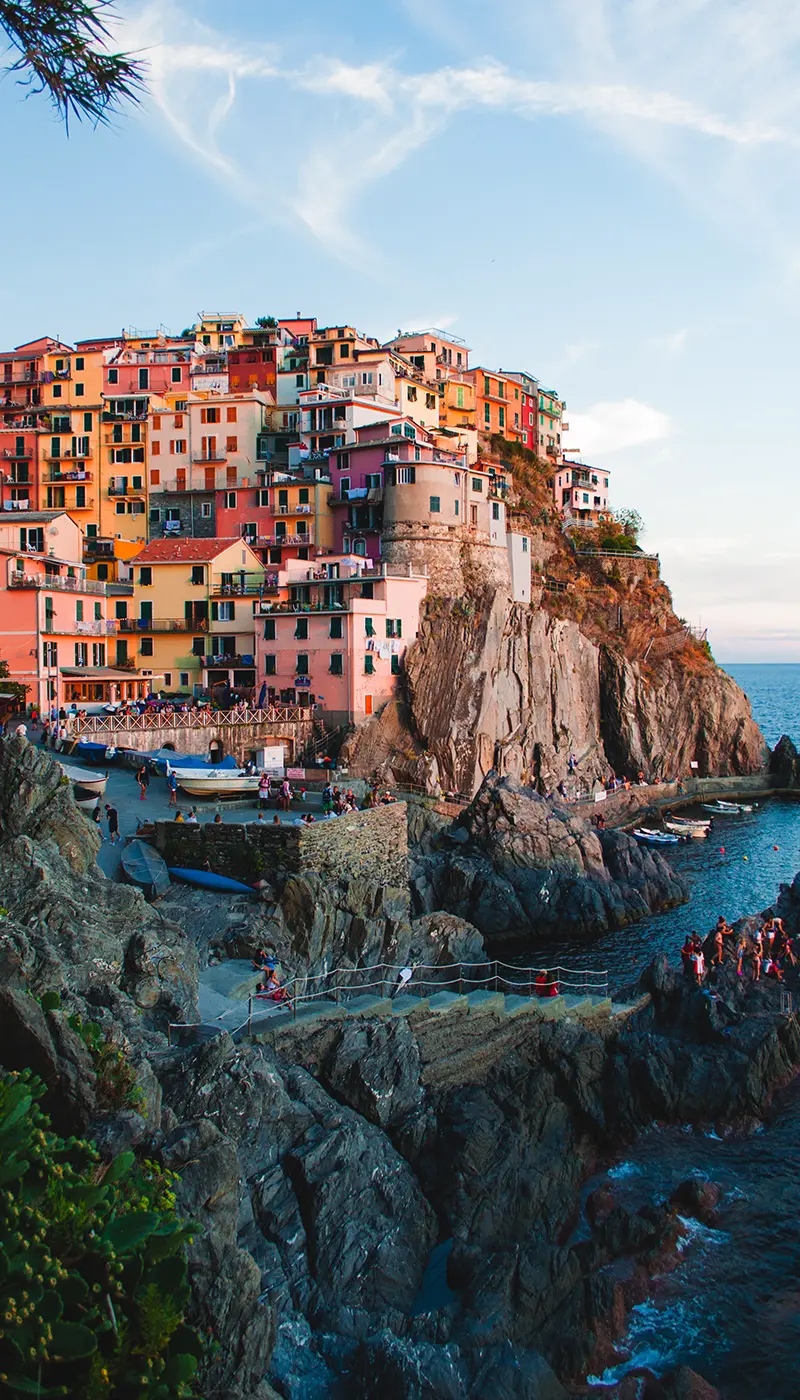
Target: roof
(185,551)
(39,517)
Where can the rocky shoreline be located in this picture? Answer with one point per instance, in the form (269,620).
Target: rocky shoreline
(388,1208)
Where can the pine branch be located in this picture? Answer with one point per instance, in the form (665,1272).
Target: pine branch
(61,48)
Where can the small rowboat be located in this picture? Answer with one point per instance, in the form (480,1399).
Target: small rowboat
(92,783)
(728,809)
(655,838)
(94,753)
(690,821)
(208,880)
(698,833)
(87,804)
(144,867)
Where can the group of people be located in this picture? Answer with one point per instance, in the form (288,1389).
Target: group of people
(767,951)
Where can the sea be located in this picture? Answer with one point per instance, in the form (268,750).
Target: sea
(731,1310)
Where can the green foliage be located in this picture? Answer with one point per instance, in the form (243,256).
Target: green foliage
(62,48)
(630,522)
(266,323)
(14,688)
(116,1077)
(93,1285)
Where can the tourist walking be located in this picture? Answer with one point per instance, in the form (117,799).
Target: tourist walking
(112,817)
(172,784)
(263,791)
(143,779)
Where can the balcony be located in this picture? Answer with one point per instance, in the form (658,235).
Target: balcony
(119,590)
(161,624)
(235,659)
(138,417)
(248,585)
(287,539)
(59,583)
(69,475)
(17,505)
(94,549)
(27,377)
(110,440)
(125,490)
(209,458)
(26,453)
(552,450)
(293,510)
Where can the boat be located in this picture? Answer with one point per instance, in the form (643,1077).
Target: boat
(208,880)
(94,753)
(699,832)
(691,821)
(92,783)
(655,838)
(728,809)
(87,804)
(215,782)
(144,867)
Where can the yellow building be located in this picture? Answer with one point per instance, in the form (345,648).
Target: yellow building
(193,617)
(220,332)
(70,458)
(457,402)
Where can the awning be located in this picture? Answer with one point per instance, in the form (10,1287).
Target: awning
(105,673)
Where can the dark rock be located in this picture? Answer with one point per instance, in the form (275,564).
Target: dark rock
(683,1384)
(697,1198)
(783,763)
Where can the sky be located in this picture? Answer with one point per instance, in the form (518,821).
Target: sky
(604,193)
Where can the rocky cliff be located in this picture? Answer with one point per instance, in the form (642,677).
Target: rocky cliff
(495,684)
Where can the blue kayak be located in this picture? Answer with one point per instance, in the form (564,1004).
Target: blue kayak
(207,880)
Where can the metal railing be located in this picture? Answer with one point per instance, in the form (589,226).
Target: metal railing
(384,980)
(57,582)
(617,554)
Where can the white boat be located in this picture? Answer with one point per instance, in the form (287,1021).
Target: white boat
(699,832)
(690,821)
(87,804)
(88,778)
(728,809)
(655,838)
(213,782)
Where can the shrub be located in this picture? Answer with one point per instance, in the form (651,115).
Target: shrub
(93,1285)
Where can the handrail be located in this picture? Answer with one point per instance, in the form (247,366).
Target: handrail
(192,719)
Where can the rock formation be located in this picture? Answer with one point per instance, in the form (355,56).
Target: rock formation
(517,866)
(493,684)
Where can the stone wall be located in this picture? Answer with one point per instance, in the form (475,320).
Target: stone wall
(371,846)
(456,560)
(239,739)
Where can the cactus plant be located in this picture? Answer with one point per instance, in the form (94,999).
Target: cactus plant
(93,1284)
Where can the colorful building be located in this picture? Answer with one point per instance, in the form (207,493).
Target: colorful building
(551,425)
(497,404)
(528,407)
(193,612)
(55,630)
(581,492)
(334,636)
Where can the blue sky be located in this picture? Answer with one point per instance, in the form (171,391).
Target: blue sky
(604,192)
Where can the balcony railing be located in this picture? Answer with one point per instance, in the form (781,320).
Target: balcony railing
(222,661)
(161,624)
(251,585)
(76,475)
(111,441)
(26,452)
(114,490)
(293,510)
(209,458)
(57,582)
(287,539)
(17,505)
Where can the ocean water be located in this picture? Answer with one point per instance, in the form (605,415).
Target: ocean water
(731,1310)
(774,694)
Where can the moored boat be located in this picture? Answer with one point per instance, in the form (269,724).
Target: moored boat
(728,809)
(699,832)
(86,804)
(144,867)
(208,880)
(94,753)
(690,821)
(92,783)
(216,782)
(655,838)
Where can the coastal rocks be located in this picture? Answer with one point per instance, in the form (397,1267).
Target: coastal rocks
(36,801)
(698,1198)
(517,865)
(663,724)
(784,763)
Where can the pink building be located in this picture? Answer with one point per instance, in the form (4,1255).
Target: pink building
(55,631)
(581,492)
(334,635)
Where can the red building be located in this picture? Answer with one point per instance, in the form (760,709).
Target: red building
(252,367)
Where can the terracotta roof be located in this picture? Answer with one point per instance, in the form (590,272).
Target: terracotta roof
(189,551)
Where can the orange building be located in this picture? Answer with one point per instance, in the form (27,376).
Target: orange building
(498,407)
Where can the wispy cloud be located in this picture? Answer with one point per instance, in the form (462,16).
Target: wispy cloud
(611,427)
(672,344)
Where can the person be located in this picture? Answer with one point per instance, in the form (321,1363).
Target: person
(716,961)
(263,790)
(571,763)
(112,817)
(686,956)
(757,958)
(143,779)
(218,819)
(249,768)
(545,985)
(45,734)
(327,797)
(96,814)
(63,736)
(741,949)
(698,963)
(21,731)
(192,817)
(178,815)
(172,784)
(260,818)
(286,794)
(276,821)
(406,973)
(771,969)
(271,988)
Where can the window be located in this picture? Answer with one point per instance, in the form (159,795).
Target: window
(209,415)
(98,653)
(473,515)
(230,415)
(336,628)
(301,629)
(487,414)
(369,664)
(198,646)
(412,393)
(81,654)
(113,376)
(435,505)
(98,612)
(198,573)
(80,497)
(230,500)
(56,391)
(146,646)
(344,352)
(501,417)
(168,680)
(79,612)
(184,678)
(205,510)
(269,629)
(406,476)
(79,364)
(155,449)
(395,659)
(456,507)
(477,483)
(178,446)
(337,664)
(270,665)
(102,571)
(121,609)
(459,398)
(50,653)
(501,389)
(394,627)
(369,627)
(79,391)
(495,510)
(176,374)
(223,612)
(302,664)
(298,381)
(430,400)
(231,444)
